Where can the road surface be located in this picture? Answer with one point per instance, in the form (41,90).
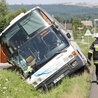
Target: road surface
(5,65)
(94,87)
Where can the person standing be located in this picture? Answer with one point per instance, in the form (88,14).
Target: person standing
(93,52)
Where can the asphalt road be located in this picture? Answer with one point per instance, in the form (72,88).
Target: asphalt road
(94,87)
(5,65)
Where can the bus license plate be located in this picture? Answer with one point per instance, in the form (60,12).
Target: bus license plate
(59,78)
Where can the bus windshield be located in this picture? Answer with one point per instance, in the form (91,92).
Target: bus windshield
(43,46)
(22,30)
(35,40)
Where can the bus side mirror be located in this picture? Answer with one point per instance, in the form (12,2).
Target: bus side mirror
(68,35)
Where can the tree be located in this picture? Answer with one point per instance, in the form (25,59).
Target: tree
(3,12)
(6,15)
(58,19)
(3,8)
(76,24)
(12,14)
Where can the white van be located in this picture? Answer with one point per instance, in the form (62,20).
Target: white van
(41,48)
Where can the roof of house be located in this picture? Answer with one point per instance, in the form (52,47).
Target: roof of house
(87,23)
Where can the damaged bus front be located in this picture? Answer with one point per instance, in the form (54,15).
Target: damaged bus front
(41,48)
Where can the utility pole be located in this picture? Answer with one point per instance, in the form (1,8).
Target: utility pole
(95,25)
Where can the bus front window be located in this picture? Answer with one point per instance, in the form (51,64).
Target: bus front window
(43,46)
(34,21)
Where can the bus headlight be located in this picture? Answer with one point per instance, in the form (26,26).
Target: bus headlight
(74,63)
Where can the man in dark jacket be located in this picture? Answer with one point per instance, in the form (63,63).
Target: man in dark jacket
(93,52)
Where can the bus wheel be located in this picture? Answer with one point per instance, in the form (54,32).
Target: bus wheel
(45,88)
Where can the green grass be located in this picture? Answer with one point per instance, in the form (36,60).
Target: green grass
(78,86)
(12,86)
(85,47)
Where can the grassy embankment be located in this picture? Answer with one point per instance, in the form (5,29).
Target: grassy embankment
(78,86)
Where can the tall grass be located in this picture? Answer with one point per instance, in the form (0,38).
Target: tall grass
(12,86)
(78,86)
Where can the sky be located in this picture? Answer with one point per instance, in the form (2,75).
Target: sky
(47,1)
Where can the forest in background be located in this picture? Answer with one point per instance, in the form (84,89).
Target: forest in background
(66,12)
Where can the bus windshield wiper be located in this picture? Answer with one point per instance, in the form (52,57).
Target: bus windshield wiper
(56,53)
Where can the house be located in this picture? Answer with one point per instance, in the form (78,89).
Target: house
(87,23)
(68,26)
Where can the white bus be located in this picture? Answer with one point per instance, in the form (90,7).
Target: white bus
(41,48)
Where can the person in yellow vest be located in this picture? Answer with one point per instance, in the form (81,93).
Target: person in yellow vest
(31,62)
(93,52)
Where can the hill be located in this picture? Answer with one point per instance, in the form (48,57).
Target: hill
(64,11)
